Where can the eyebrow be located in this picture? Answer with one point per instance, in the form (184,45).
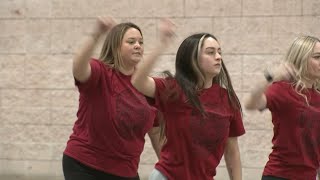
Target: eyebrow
(212,48)
(317,53)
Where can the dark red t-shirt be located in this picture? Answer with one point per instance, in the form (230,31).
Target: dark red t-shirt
(296,141)
(113,118)
(194,144)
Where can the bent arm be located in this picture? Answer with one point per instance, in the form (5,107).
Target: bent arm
(81,68)
(154,135)
(232,158)
(140,79)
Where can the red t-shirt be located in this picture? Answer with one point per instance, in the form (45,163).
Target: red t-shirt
(113,118)
(296,141)
(194,144)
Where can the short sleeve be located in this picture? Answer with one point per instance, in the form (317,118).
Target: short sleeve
(236,125)
(275,95)
(160,86)
(96,71)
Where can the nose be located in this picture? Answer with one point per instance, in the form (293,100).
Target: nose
(137,45)
(218,56)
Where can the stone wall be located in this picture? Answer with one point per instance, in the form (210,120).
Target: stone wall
(38,100)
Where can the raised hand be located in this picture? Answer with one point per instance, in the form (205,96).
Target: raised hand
(103,24)
(166,31)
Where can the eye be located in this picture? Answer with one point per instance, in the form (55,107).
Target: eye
(316,57)
(141,42)
(130,42)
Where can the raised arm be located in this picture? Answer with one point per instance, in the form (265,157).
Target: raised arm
(257,99)
(140,79)
(81,68)
(232,158)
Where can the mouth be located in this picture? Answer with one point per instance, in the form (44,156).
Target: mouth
(137,53)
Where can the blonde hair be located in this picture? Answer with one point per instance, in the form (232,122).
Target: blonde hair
(298,55)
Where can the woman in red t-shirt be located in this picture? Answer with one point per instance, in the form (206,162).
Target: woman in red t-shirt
(200,110)
(113,117)
(291,92)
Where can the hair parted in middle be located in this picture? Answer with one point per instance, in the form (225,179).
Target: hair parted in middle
(110,52)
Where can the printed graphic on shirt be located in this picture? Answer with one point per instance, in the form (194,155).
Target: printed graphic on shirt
(309,122)
(131,115)
(208,133)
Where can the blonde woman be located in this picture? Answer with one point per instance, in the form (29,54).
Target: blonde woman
(291,92)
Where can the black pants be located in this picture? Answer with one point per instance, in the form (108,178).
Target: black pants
(272,178)
(74,170)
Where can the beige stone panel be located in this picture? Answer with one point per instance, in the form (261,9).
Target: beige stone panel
(69,34)
(12,38)
(39,168)
(257,7)
(64,98)
(13,44)
(22,151)
(207,8)
(23,97)
(311,25)
(38,36)
(25,115)
(289,26)
(257,35)
(282,43)
(59,134)
(248,79)
(25,134)
(252,173)
(12,79)
(58,149)
(222,173)
(84,8)
(72,8)
(256,120)
(38,8)
(255,158)
(10,166)
(257,139)
(285,29)
(236,80)
(187,27)
(311,7)
(254,65)
(287,7)
(229,31)
(154,8)
(49,80)
(9,63)
(164,63)
(49,71)
(233,63)
(12,9)
(63,115)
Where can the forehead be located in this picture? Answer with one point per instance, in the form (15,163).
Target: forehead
(132,33)
(210,42)
(316,48)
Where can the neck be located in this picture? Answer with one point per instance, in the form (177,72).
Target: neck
(126,70)
(308,82)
